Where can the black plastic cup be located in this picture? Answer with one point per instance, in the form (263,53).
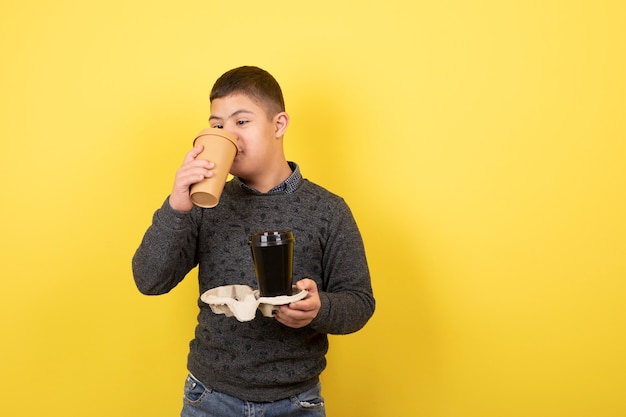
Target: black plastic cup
(272,253)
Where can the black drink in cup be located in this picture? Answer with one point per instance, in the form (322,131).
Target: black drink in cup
(272,253)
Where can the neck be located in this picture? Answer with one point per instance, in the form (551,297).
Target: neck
(272,179)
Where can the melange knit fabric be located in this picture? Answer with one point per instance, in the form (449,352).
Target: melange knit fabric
(261,360)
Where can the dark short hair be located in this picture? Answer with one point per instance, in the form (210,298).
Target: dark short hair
(253,82)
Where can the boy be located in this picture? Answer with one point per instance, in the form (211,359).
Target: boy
(269,366)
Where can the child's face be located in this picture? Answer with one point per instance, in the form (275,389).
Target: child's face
(258,146)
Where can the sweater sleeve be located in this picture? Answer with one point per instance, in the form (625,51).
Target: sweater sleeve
(167,251)
(347,300)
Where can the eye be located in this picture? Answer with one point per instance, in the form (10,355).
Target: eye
(218,126)
(242,122)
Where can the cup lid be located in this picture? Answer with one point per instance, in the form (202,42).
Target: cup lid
(271,238)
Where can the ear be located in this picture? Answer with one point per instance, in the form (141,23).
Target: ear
(281,121)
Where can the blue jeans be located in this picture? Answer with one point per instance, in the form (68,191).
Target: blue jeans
(200,401)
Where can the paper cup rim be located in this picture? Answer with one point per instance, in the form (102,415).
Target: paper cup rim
(216,132)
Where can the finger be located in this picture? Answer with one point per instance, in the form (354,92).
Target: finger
(193,154)
(196,167)
(189,176)
(302,305)
(291,321)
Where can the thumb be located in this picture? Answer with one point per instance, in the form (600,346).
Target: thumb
(307,284)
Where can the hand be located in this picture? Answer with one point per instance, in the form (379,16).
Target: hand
(191,171)
(301,313)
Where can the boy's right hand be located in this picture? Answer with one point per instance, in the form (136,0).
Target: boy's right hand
(191,171)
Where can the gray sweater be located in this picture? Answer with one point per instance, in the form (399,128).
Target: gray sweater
(260,360)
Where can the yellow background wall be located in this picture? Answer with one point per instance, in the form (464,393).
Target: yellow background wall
(481,145)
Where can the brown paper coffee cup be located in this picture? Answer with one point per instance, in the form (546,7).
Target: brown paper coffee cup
(220,147)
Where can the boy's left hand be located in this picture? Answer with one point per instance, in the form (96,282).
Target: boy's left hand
(301,313)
